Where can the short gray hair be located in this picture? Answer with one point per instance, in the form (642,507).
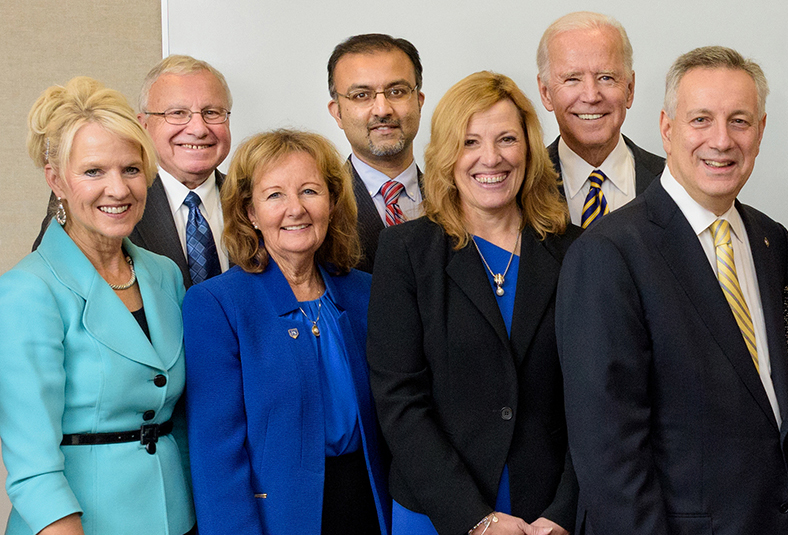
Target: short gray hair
(179,64)
(712,57)
(581,20)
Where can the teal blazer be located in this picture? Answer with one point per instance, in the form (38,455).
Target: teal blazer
(74,360)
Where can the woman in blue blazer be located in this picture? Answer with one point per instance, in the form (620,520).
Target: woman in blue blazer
(91,360)
(283,437)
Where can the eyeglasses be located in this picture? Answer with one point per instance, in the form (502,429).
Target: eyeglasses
(365,97)
(183,116)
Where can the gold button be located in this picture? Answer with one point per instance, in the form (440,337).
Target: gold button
(263,496)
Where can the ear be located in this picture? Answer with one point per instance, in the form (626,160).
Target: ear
(336,113)
(143,119)
(250,213)
(421,100)
(665,125)
(631,91)
(763,127)
(54,181)
(544,92)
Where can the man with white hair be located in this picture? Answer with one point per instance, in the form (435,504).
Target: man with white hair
(586,79)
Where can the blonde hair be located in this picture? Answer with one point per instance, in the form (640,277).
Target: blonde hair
(179,64)
(538,198)
(340,250)
(60,111)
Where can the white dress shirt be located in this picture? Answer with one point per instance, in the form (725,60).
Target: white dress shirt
(700,219)
(210,207)
(618,189)
(409,200)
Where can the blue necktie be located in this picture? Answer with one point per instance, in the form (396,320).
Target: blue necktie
(596,204)
(200,247)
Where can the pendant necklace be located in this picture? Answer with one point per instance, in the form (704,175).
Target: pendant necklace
(132,280)
(498,278)
(315,328)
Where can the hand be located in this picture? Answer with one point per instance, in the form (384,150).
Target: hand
(544,523)
(68,525)
(512,525)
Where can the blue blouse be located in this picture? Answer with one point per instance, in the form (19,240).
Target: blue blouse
(339,396)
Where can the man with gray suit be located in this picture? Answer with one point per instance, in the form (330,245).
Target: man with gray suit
(185,106)
(586,78)
(375,86)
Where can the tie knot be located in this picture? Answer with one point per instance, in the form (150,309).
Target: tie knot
(596,178)
(721,230)
(192,200)
(391,190)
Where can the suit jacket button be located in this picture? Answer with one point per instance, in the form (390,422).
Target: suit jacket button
(148,415)
(160,380)
(784,507)
(506,413)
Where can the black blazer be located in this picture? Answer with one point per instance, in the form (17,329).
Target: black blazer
(648,166)
(669,424)
(456,398)
(369,222)
(156,230)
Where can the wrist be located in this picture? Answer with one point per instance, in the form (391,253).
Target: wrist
(483,525)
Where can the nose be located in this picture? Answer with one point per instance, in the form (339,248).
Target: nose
(491,154)
(196,125)
(590,90)
(381,106)
(295,207)
(116,186)
(720,138)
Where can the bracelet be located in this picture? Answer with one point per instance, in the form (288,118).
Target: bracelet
(486,521)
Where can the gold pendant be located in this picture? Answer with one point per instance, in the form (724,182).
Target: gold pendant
(315,330)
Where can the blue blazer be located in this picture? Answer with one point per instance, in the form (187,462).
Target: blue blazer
(74,360)
(255,413)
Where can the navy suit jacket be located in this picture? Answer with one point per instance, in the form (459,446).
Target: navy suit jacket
(369,222)
(669,425)
(254,408)
(648,166)
(156,230)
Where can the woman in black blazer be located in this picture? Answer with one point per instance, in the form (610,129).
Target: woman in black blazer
(461,344)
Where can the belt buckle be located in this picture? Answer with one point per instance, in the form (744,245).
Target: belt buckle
(149,435)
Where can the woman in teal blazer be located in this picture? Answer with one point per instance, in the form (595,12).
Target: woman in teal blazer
(88,387)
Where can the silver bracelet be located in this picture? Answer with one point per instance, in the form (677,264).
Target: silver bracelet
(486,521)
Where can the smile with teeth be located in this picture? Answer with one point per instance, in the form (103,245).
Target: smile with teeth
(714,163)
(590,116)
(296,227)
(490,179)
(195,147)
(114,209)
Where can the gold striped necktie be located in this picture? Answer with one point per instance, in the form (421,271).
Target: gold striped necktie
(729,282)
(595,205)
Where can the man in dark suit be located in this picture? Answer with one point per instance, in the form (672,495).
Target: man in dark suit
(586,78)
(185,106)
(670,329)
(375,86)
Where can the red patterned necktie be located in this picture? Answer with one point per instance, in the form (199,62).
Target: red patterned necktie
(391,191)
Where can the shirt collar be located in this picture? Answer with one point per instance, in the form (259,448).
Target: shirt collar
(177,192)
(374,179)
(575,170)
(699,217)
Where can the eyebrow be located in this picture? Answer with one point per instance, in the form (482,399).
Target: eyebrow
(401,81)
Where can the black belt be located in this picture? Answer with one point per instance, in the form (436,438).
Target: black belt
(147,435)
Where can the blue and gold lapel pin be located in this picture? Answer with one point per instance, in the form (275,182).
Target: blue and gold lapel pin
(293,333)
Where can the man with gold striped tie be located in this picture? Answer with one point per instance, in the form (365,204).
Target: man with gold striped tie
(670,329)
(586,79)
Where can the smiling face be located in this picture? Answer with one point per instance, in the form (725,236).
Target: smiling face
(491,167)
(383,132)
(715,136)
(589,90)
(103,188)
(291,207)
(189,152)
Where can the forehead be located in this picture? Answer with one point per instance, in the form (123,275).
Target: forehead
(93,142)
(292,168)
(201,89)
(373,69)
(503,115)
(718,89)
(581,49)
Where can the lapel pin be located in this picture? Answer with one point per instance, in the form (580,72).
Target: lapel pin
(766,241)
(293,333)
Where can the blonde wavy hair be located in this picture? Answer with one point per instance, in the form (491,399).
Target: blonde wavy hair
(340,250)
(539,200)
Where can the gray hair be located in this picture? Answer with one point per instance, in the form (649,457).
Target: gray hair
(712,57)
(179,64)
(581,20)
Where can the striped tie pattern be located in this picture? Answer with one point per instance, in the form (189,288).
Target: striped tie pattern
(596,204)
(726,273)
(200,247)
(391,191)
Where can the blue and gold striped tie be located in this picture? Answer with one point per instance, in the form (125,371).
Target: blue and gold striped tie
(726,273)
(596,204)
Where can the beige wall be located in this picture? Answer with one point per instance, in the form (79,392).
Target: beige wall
(47,42)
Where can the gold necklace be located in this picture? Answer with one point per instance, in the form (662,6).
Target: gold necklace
(498,278)
(132,280)
(315,328)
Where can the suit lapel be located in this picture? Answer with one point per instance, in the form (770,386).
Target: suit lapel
(536,283)
(466,270)
(685,257)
